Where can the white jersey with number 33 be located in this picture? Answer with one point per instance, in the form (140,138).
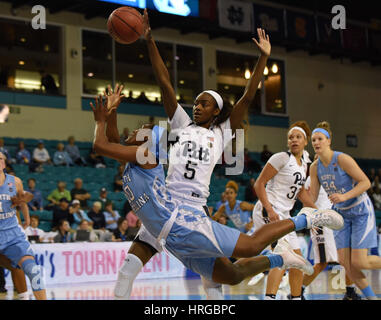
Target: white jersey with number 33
(193,157)
(282,190)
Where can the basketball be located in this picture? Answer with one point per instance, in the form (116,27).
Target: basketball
(125,25)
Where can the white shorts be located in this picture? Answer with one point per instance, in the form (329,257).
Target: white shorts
(260,219)
(324,245)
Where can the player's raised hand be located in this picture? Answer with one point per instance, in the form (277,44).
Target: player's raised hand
(100,110)
(264,42)
(113,97)
(146,27)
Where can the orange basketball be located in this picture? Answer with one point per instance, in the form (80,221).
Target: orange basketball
(125,25)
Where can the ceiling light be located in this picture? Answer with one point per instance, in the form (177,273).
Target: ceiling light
(274,68)
(266,71)
(90,74)
(21,62)
(130,75)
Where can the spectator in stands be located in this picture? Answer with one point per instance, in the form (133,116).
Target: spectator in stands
(96,214)
(124,136)
(79,214)
(223,219)
(250,194)
(376,182)
(22,154)
(63,235)
(96,160)
(126,208)
(130,97)
(85,226)
(40,157)
(72,149)
(377,197)
(37,203)
(57,194)
(111,216)
(265,154)
(5,151)
(250,164)
(372,174)
(62,211)
(33,229)
(48,83)
(61,157)
(222,200)
(132,219)
(103,197)
(143,98)
(181,99)
(118,179)
(79,193)
(121,233)
(379,173)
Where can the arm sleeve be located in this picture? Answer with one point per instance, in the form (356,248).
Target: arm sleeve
(180,119)
(279,160)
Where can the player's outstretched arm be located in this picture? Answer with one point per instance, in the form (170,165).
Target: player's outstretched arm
(160,70)
(241,107)
(109,149)
(114,98)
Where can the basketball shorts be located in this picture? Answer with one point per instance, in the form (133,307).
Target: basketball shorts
(359,231)
(14,245)
(196,240)
(323,245)
(260,218)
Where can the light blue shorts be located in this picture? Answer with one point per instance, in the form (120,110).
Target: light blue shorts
(14,245)
(197,240)
(359,231)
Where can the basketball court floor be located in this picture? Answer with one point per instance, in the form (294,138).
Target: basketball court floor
(329,285)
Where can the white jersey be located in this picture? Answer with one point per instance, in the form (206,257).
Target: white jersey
(283,189)
(193,157)
(322,201)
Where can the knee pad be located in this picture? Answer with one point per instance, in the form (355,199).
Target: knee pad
(212,289)
(126,276)
(33,272)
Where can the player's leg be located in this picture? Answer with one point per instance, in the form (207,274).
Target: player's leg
(296,280)
(142,249)
(248,246)
(18,277)
(274,279)
(33,272)
(318,267)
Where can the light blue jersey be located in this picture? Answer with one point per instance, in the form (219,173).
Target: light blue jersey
(193,238)
(13,240)
(8,218)
(145,191)
(239,217)
(359,231)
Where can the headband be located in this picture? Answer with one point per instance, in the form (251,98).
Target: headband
(323,131)
(216,96)
(300,129)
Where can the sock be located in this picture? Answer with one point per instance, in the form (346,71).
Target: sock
(270,296)
(300,222)
(296,298)
(368,292)
(23,296)
(212,289)
(126,276)
(275,260)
